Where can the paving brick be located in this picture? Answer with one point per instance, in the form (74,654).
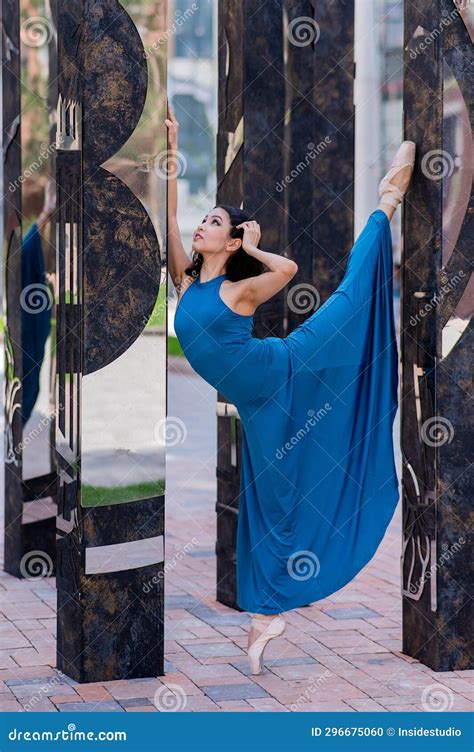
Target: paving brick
(44,690)
(6,661)
(13,639)
(27,624)
(141,709)
(171,647)
(214,650)
(31,676)
(41,705)
(236,706)
(33,657)
(311,672)
(215,674)
(136,702)
(56,699)
(131,690)
(329,706)
(18,597)
(90,707)
(234,691)
(403,709)
(10,705)
(200,703)
(30,610)
(26,673)
(364,705)
(180,680)
(355,612)
(267,705)
(93,694)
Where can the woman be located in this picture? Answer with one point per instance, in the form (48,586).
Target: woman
(318,482)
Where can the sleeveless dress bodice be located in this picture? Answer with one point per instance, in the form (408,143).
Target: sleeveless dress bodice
(219,345)
(318,483)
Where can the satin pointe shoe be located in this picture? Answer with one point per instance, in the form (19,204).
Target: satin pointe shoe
(405,157)
(268,630)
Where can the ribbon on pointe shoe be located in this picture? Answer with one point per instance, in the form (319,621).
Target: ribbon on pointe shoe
(405,157)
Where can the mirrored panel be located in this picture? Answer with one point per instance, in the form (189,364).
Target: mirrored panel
(123,386)
(36,183)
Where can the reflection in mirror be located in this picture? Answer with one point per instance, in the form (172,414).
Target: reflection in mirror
(123,402)
(37,254)
(466,11)
(456,162)
(457,166)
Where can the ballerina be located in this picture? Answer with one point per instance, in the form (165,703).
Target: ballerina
(318,483)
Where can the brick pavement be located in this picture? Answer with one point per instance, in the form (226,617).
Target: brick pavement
(339,654)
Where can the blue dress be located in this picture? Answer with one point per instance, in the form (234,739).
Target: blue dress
(35,317)
(318,482)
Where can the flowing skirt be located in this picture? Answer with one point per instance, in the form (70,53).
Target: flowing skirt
(318,484)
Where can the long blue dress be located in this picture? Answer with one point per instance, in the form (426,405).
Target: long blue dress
(318,479)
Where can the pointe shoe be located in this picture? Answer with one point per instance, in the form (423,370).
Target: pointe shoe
(405,157)
(269,629)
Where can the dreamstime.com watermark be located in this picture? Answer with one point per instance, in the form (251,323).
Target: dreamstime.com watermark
(303,565)
(445,21)
(169,565)
(303,31)
(45,421)
(313,419)
(44,155)
(36,565)
(303,297)
(437,431)
(309,691)
(180,19)
(437,698)
(443,558)
(44,690)
(437,297)
(170,698)
(160,309)
(312,153)
(71,734)
(170,431)
(36,31)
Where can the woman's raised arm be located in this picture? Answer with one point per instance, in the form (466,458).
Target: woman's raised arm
(178,259)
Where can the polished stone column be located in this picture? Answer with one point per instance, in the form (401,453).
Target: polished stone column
(111,349)
(437,306)
(285,153)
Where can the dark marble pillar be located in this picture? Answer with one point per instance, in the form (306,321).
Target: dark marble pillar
(285,152)
(111,373)
(436,338)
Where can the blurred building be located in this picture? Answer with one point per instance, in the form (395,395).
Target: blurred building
(192,78)
(378,101)
(390,20)
(192,82)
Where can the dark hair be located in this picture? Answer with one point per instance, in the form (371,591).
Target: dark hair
(240,264)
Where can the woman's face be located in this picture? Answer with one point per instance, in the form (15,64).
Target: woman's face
(213,233)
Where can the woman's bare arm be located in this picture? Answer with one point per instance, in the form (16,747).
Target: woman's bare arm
(254,291)
(178,259)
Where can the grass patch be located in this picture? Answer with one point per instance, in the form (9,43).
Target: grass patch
(174,348)
(99,496)
(157,319)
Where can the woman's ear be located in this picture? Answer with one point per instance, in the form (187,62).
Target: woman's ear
(234,244)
